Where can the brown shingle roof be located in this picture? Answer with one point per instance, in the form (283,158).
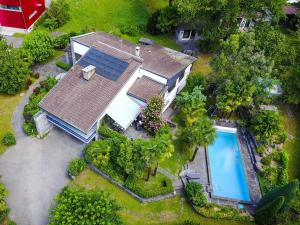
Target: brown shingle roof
(80,102)
(145,88)
(160,60)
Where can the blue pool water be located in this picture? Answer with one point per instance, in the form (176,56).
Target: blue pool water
(226,168)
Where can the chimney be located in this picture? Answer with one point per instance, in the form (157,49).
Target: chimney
(137,50)
(88,72)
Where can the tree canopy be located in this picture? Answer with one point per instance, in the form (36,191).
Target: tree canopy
(79,206)
(242,71)
(13,70)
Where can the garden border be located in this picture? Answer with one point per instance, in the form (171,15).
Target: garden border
(132,194)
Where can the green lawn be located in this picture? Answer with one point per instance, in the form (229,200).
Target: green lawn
(8,105)
(109,15)
(291,118)
(202,65)
(168,212)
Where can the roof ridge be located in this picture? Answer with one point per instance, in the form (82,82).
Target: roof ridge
(137,58)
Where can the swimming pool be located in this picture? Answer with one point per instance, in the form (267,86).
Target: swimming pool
(226,168)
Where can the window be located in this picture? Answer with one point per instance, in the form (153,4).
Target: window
(32,14)
(11,7)
(186,34)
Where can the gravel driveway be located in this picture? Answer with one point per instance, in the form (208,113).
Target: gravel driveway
(34,170)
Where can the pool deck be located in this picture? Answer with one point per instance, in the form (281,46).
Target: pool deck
(199,170)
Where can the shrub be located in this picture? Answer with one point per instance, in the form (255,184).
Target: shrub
(4,210)
(266,160)
(106,132)
(76,166)
(80,206)
(63,65)
(163,21)
(61,42)
(288,191)
(267,213)
(28,83)
(58,13)
(35,75)
(50,23)
(195,80)
(9,139)
(151,115)
(188,222)
(195,193)
(152,24)
(39,45)
(261,150)
(130,29)
(216,211)
(147,189)
(30,128)
(268,127)
(98,153)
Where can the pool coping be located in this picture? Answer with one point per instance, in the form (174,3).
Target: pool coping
(245,168)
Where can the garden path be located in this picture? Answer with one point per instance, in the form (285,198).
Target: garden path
(34,170)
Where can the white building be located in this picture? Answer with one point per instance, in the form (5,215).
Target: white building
(115,78)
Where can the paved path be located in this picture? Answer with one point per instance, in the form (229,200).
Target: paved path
(34,170)
(16,42)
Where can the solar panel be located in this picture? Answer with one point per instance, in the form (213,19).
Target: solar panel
(106,65)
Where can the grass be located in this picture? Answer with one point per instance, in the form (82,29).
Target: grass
(167,212)
(291,119)
(109,15)
(202,65)
(8,104)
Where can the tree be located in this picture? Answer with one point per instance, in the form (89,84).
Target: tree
(218,19)
(195,128)
(151,116)
(291,85)
(13,69)
(58,13)
(79,206)
(199,133)
(275,45)
(288,191)
(267,214)
(267,127)
(163,21)
(191,105)
(39,45)
(194,80)
(244,74)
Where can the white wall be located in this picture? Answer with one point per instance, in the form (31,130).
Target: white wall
(79,48)
(153,76)
(170,96)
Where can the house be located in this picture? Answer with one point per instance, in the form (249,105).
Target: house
(113,78)
(20,15)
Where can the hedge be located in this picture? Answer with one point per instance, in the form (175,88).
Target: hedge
(76,166)
(160,185)
(63,65)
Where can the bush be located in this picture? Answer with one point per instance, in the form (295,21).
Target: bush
(61,42)
(261,150)
(80,206)
(195,80)
(163,21)
(4,210)
(63,65)
(216,211)
(30,128)
(195,193)
(158,185)
(9,139)
(106,132)
(39,45)
(129,29)
(151,115)
(50,23)
(76,166)
(58,13)
(267,213)
(98,153)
